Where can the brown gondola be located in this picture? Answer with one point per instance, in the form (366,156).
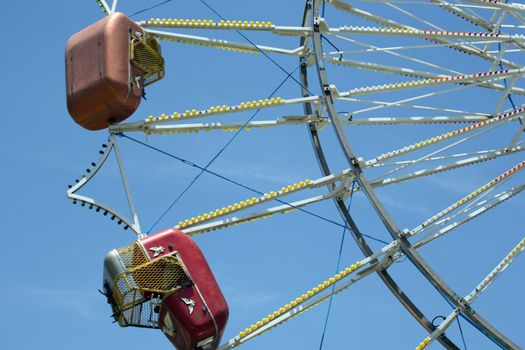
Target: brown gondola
(108,64)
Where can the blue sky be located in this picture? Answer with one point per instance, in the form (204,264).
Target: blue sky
(54,250)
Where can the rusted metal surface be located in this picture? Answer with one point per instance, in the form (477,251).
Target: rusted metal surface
(103,87)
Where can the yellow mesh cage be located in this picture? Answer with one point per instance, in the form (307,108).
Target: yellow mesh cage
(139,290)
(146,55)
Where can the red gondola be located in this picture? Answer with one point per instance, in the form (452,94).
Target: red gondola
(163,281)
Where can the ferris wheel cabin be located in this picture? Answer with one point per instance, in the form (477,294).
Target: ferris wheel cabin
(108,64)
(163,281)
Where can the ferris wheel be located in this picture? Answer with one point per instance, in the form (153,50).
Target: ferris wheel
(443,101)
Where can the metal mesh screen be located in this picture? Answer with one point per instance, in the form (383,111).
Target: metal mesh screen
(146,56)
(138,292)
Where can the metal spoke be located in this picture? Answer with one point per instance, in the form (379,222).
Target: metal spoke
(490,123)
(222,44)
(384,180)
(480,209)
(418,74)
(476,292)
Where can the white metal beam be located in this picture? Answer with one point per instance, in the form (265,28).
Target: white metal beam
(223,44)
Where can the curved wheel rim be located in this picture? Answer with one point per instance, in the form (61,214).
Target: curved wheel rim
(416,259)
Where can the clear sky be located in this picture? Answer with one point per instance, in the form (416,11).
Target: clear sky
(54,251)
